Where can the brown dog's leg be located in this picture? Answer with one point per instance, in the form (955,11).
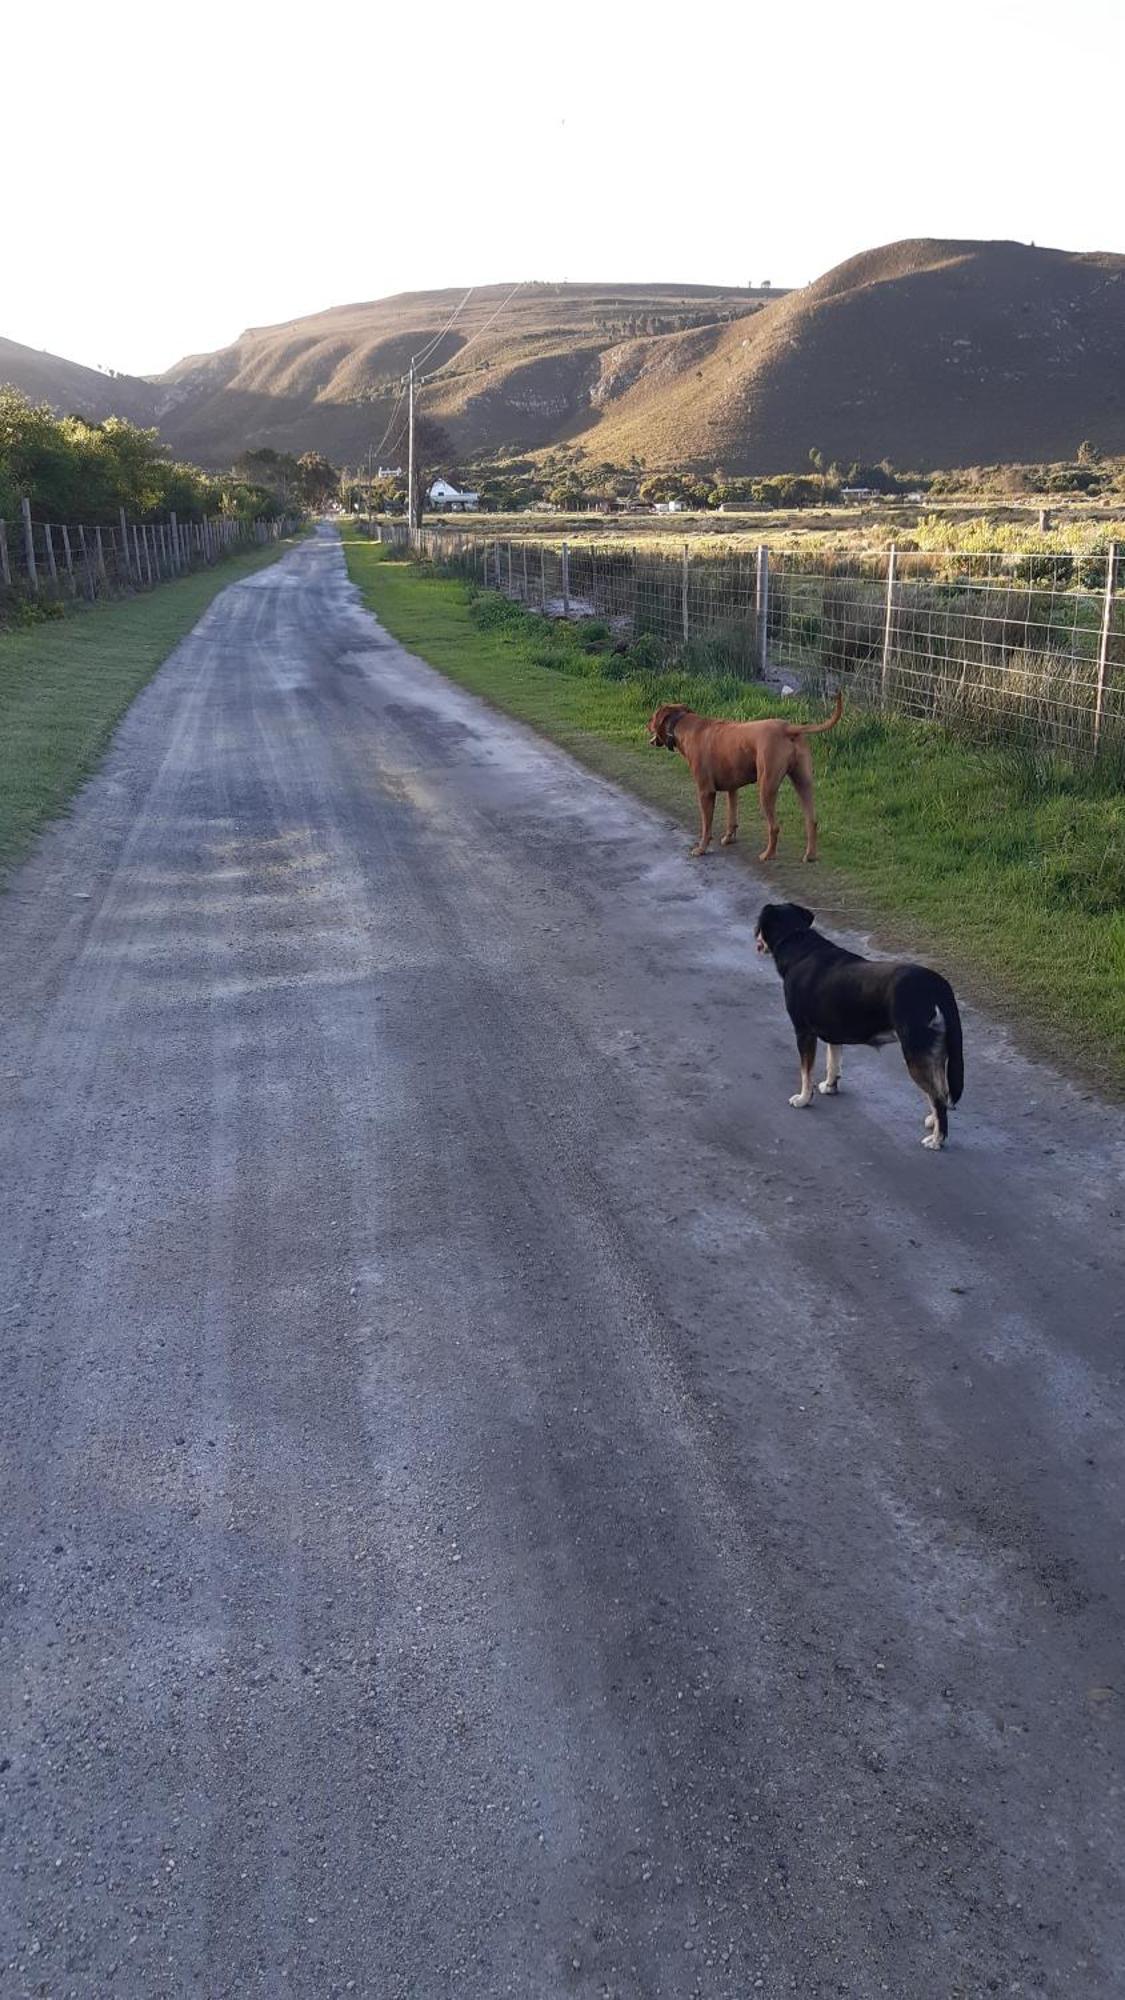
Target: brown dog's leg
(767,797)
(706,815)
(732,819)
(803,786)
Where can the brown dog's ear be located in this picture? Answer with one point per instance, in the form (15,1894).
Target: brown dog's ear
(665,719)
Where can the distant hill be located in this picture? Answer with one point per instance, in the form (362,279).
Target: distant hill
(517,374)
(72,390)
(932,354)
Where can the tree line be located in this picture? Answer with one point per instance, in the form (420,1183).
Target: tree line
(72,469)
(572,485)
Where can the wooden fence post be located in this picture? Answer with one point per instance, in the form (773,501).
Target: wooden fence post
(566,580)
(49,548)
(100,553)
(174,541)
(5,565)
(29,545)
(888,621)
(91,586)
(762,608)
(1103,642)
(542,576)
(125,543)
(684,592)
(65,533)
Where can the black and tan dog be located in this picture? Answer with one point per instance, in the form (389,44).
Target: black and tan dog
(834,996)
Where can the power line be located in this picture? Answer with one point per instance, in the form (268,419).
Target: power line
(417,361)
(481,330)
(413,382)
(432,347)
(391,421)
(420,359)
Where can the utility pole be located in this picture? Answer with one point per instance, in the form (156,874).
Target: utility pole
(410,510)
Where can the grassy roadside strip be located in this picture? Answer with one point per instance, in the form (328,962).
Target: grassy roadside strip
(1009,874)
(64,686)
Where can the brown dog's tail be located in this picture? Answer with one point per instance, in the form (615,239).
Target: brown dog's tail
(817,728)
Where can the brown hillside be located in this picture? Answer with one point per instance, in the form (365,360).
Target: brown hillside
(330,381)
(73,390)
(930,353)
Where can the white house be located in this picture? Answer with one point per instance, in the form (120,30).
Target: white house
(450,499)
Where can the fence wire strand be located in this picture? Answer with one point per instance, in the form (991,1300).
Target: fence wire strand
(54,560)
(999,646)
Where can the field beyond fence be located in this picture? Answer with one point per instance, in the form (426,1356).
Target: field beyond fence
(1026,646)
(44,562)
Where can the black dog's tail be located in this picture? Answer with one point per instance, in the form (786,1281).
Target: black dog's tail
(928,1025)
(954,1054)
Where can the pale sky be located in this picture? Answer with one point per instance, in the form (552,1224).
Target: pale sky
(177,173)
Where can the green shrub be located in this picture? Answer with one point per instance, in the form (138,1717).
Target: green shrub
(19,614)
(491,611)
(646,653)
(593,633)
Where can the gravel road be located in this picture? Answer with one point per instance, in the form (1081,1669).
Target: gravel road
(495,1502)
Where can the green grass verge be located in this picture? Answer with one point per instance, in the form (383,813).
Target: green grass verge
(1007,872)
(65,685)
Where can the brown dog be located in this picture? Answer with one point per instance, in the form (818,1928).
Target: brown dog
(724,756)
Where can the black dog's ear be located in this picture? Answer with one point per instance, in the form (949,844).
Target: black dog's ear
(805,916)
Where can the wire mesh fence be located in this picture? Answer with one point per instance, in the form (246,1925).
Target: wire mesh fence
(999,645)
(51,560)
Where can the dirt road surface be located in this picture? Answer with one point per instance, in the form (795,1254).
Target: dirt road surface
(496,1503)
